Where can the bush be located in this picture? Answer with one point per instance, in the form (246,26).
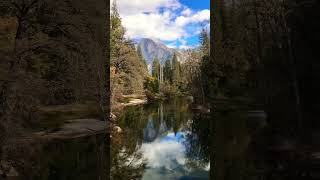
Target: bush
(168,89)
(151,84)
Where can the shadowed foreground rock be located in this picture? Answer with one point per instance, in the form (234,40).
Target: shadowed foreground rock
(76,128)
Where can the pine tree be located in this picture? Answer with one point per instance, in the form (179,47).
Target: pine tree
(167,71)
(176,69)
(127,62)
(117,33)
(155,68)
(139,51)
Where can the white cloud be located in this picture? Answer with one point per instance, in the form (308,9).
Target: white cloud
(184,44)
(165,20)
(154,25)
(200,16)
(187,12)
(164,153)
(128,7)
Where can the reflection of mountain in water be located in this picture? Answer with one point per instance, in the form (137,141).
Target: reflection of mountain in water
(150,133)
(165,128)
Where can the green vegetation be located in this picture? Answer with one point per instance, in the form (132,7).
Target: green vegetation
(53,65)
(265,51)
(127,66)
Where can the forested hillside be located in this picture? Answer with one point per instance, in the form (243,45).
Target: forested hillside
(52,53)
(265,50)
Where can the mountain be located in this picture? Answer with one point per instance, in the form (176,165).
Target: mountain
(152,49)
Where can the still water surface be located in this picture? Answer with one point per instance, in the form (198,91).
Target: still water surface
(162,141)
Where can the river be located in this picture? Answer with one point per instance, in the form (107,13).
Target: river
(161,141)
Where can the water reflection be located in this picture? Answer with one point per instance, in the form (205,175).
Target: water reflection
(74,159)
(235,131)
(164,135)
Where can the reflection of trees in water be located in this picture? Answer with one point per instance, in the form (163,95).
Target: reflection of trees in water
(148,122)
(232,146)
(197,142)
(127,161)
(72,159)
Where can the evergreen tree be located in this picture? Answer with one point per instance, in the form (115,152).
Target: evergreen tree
(155,68)
(167,70)
(129,68)
(176,69)
(139,51)
(117,32)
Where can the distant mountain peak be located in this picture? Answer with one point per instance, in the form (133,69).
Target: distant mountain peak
(153,48)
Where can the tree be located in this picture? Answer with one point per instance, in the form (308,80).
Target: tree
(56,55)
(129,67)
(140,54)
(167,71)
(176,70)
(192,73)
(156,68)
(118,46)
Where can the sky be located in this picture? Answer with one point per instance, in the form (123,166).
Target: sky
(176,23)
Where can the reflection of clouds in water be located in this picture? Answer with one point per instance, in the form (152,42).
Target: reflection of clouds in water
(167,152)
(207,168)
(166,159)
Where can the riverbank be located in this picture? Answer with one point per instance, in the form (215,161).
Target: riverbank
(78,120)
(75,128)
(132,100)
